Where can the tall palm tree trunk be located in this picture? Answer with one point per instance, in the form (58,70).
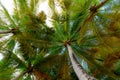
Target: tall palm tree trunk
(81,74)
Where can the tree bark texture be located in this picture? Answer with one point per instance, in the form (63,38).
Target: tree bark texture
(81,74)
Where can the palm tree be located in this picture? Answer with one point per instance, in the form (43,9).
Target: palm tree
(21,33)
(70,32)
(65,38)
(23,27)
(77,39)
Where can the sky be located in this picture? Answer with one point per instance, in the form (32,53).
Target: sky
(8,5)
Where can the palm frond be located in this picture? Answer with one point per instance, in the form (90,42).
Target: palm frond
(59,31)
(91,61)
(8,16)
(6,74)
(23,6)
(38,58)
(3,25)
(33,4)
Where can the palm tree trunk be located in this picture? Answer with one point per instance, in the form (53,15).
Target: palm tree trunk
(81,74)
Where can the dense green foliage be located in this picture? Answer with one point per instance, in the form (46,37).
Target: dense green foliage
(34,50)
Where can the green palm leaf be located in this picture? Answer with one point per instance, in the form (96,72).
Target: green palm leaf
(6,13)
(90,60)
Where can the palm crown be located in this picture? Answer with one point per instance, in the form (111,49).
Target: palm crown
(81,44)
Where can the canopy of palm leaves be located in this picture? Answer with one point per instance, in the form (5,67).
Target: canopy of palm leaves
(33,51)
